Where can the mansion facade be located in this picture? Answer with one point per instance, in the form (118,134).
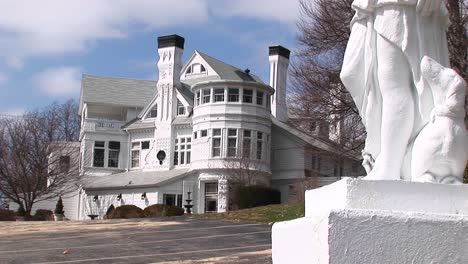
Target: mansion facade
(190,133)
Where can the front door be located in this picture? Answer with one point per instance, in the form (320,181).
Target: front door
(211,197)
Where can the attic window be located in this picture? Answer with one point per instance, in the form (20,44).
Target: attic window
(196,68)
(180,108)
(154,112)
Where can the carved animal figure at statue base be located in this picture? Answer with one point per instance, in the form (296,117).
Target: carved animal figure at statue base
(440,150)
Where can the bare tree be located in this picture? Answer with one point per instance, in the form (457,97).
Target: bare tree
(242,170)
(319,97)
(36,161)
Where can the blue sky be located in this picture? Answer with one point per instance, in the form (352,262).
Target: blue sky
(45,46)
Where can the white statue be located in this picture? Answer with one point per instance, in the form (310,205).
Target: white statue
(440,150)
(382,71)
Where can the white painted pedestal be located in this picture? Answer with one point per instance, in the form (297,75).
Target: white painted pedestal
(360,221)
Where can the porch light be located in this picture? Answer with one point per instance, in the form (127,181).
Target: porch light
(119,197)
(96,198)
(143,196)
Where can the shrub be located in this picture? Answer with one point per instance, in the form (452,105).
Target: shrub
(59,207)
(159,210)
(109,211)
(7,215)
(43,215)
(253,196)
(126,211)
(21,211)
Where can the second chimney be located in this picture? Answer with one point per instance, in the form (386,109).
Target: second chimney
(279,63)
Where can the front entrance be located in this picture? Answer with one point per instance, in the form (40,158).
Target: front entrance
(211,197)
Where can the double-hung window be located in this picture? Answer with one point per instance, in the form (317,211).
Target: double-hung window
(99,151)
(247,96)
(197,98)
(246,143)
(233,95)
(259,98)
(206,96)
(114,152)
(135,154)
(182,151)
(218,95)
(216,142)
(232,142)
(259,145)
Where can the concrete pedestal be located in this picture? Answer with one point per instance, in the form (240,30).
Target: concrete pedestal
(359,221)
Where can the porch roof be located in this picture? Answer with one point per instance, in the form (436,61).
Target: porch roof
(133,179)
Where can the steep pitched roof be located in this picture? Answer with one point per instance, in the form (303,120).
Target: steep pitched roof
(116,91)
(229,72)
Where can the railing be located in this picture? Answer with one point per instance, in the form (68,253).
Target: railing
(102,125)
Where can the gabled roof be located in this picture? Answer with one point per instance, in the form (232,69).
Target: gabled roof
(312,141)
(133,179)
(229,72)
(116,91)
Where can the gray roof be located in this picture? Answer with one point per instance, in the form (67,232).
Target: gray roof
(116,91)
(229,72)
(182,120)
(133,179)
(312,141)
(186,92)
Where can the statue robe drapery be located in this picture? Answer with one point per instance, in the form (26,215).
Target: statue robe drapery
(416,36)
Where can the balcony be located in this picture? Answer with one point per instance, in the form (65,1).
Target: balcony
(96,125)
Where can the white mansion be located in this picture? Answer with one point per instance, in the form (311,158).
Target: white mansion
(145,142)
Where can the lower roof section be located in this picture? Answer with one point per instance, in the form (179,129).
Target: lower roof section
(133,179)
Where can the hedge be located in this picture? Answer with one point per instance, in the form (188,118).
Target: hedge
(159,210)
(253,196)
(126,211)
(7,215)
(43,215)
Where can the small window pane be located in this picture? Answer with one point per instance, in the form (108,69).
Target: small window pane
(247,133)
(204,133)
(99,144)
(114,145)
(232,132)
(216,132)
(98,160)
(145,145)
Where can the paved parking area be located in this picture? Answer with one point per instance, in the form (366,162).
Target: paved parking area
(177,240)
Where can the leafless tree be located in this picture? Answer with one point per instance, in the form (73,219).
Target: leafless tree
(319,97)
(242,170)
(38,160)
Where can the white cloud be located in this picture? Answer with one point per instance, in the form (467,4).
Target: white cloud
(59,81)
(55,27)
(285,11)
(31,28)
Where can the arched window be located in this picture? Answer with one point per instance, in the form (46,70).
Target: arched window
(195,68)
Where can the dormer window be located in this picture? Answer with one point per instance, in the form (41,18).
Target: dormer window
(195,68)
(180,108)
(153,112)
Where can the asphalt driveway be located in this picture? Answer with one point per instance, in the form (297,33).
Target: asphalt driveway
(177,240)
